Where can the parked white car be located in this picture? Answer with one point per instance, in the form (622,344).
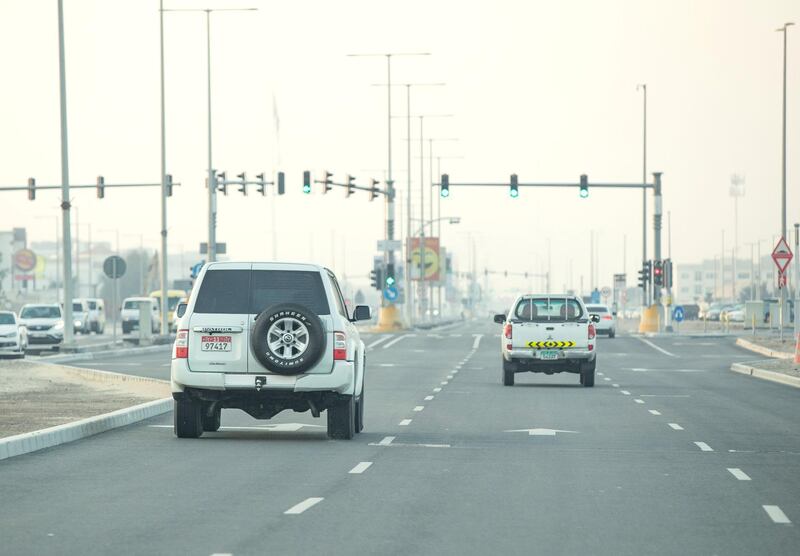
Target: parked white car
(44,323)
(97,315)
(129,314)
(13,335)
(548,334)
(608,319)
(263,338)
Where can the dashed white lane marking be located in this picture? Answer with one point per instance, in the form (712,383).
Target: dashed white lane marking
(215,554)
(655,347)
(387,364)
(776,514)
(654,412)
(599,374)
(405,422)
(615,385)
(437,389)
(428,398)
(455,335)
(675,426)
(393,342)
(360,468)
(477,341)
(625,392)
(386,441)
(444,383)
(380,341)
(454,371)
(637,400)
(606,378)
(704,447)
(419,408)
(449,377)
(303,506)
(739,474)
(664,395)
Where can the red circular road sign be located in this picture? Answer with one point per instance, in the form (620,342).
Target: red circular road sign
(25,260)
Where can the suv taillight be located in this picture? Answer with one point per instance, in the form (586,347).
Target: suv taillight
(339,346)
(182,344)
(507,331)
(592,332)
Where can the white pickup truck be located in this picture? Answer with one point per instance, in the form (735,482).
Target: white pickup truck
(548,334)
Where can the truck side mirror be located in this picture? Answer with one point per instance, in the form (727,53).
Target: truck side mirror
(181,310)
(362,312)
(595,318)
(500,319)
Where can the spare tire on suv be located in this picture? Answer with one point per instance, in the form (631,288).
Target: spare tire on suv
(287,338)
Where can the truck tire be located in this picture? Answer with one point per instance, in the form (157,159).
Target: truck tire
(125,328)
(359,424)
(587,374)
(612,333)
(188,419)
(288,339)
(211,423)
(342,420)
(508,373)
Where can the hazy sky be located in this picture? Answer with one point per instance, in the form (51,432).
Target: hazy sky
(540,88)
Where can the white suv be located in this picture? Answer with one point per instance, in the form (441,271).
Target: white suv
(264,337)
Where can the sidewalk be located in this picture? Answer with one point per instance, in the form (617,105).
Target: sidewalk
(43,405)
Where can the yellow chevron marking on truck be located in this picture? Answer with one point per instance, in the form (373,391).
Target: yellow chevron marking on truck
(551,344)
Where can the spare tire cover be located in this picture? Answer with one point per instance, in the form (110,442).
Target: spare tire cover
(288,339)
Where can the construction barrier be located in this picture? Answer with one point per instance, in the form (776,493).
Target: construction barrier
(649,321)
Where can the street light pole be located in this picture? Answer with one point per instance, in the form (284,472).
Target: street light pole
(643,87)
(212,186)
(164,258)
(65,203)
(783,30)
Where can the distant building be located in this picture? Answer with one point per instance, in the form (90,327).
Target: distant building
(709,280)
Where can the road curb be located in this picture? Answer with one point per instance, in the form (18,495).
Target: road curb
(93,354)
(62,434)
(766,375)
(761,350)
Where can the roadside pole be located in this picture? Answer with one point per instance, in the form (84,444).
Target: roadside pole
(796,280)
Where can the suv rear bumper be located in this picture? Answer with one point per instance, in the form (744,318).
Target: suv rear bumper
(341,380)
(564,355)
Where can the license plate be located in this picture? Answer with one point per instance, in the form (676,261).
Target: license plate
(548,354)
(215,343)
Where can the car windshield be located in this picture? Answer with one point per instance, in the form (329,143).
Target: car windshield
(7,318)
(544,309)
(41,312)
(131,305)
(77,307)
(92,305)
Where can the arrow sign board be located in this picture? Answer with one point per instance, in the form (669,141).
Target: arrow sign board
(782,255)
(390,293)
(541,432)
(678,314)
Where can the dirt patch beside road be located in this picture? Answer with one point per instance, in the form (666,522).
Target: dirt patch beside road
(35,396)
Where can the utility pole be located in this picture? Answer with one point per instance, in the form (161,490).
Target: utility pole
(65,202)
(643,87)
(783,30)
(164,257)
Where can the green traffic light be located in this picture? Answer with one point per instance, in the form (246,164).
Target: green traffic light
(445,192)
(306,189)
(514,192)
(584,192)
(390,280)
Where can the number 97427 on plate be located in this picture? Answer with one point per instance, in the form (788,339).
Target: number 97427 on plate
(215,343)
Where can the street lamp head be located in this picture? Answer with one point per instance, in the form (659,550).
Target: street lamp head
(785,25)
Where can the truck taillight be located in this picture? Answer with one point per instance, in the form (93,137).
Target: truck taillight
(182,344)
(507,331)
(592,332)
(607,317)
(339,346)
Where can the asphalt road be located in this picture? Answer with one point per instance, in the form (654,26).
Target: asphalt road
(670,453)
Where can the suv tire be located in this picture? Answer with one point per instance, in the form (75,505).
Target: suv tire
(211,423)
(587,375)
(188,419)
(304,334)
(359,416)
(508,373)
(342,420)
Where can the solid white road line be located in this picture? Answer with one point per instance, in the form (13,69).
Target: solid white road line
(675,426)
(625,392)
(776,514)
(437,389)
(393,342)
(419,408)
(637,400)
(386,441)
(303,506)
(739,474)
(405,422)
(655,347)
(704,447)
(360,468)
(654,412)
(428,398)
(380,340)
(477,341)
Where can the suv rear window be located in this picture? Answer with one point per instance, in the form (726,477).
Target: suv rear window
(544,309)
(246,292)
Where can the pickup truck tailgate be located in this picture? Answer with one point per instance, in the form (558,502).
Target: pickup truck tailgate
(549,335)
